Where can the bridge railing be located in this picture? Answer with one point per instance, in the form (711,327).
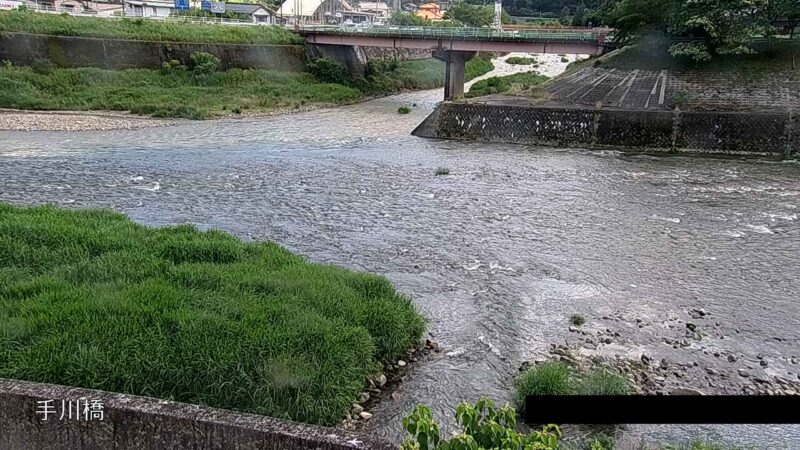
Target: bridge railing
(454,33)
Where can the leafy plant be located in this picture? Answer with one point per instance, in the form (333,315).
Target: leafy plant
(203,65)
(172,66)
(403,110)
(484,426)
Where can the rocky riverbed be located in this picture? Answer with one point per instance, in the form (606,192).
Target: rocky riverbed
(17,120)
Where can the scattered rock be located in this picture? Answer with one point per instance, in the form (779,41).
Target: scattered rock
(401,363)
(764,363)
(692,327)
(686,391)
(381,380)
(731,358)
(356,409)
(365,415)
(697,313)
(645,359)
(395,396)
(744,373)
(574,329)
(363,397)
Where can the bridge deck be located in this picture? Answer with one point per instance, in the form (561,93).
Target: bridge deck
(453,33)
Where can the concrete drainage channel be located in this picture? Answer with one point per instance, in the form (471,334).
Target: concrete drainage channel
(130,422)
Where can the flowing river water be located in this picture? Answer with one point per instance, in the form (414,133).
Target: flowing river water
(497,255)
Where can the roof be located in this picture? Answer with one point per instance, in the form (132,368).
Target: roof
(244,8)
(309,7)
(160,4)
(373,6)
(428,14)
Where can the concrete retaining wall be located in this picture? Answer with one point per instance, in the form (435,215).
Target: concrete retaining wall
(776,134)
(70,51)
(135,423)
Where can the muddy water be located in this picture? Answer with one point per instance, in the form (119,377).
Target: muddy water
(497,255)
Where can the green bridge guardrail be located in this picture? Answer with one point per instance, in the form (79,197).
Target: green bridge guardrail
(488,34)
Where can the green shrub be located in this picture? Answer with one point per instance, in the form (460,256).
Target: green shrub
(328,70)
(577,320)
(484,426)
(91,299)
(42,66)
(442,171)
(203,63)
(604,382)
(519,60)
(564,60)
(172,66)
(403,110)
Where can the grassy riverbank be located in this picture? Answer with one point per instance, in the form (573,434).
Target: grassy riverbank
(89,298)
(179,93)
(509,84)
(141,29)
(174,94)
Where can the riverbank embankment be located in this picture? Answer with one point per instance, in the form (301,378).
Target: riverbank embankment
(743,105)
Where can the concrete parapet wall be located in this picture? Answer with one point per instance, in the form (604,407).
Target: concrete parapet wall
(135,423)
(638,130)
(70,51)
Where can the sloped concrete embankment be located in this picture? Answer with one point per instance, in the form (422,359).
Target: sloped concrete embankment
(732,133)
(131,422)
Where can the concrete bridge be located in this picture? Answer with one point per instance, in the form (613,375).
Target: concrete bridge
(456,46)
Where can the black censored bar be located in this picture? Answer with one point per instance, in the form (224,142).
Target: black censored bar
(662,409)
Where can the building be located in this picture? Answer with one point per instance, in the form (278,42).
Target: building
(148,8)
(380,10)
(430,11)
(321,12)
(250,11)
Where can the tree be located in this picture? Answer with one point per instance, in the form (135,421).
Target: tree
(474,15)
(717,27)
(787,10)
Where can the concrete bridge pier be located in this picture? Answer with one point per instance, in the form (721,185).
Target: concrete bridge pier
(455,63)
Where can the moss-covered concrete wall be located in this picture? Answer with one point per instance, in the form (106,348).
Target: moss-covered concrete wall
(70,51)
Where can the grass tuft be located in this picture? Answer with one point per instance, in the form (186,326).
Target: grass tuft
(604,382)
(577,319)
(550,378)
(442,171)
(403,110)
(90,299)
(521,61)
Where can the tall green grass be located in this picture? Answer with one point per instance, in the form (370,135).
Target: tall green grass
(143,29)
(175,94)
(89,298)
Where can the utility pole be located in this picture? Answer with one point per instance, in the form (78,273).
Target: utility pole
(498,14)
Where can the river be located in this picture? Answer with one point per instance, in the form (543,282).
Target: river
(497,254)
